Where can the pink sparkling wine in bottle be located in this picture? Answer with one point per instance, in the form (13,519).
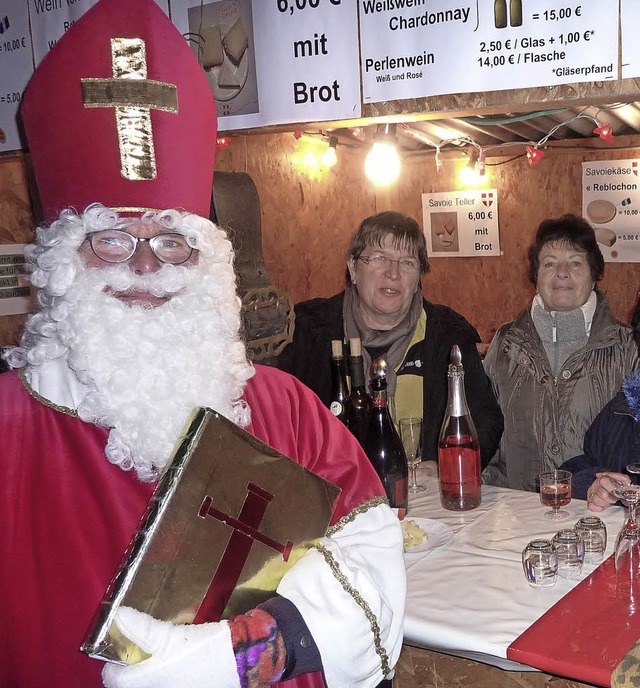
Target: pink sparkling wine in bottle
(458,446)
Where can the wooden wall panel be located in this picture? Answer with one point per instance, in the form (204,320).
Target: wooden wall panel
(308,219)
(306,223)
(16,227)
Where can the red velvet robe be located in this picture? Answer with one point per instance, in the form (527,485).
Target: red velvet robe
(68,515)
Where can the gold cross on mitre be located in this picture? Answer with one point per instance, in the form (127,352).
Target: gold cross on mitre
(133,96)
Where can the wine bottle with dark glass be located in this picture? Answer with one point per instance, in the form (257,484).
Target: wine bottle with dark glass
(358,404)
(458,446)
(339,386)
(383,445)
(515,12)
(500,13)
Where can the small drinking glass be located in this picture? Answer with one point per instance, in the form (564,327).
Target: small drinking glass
(540,564)
(555,491)
(593,533)
(410,431)
(570,551)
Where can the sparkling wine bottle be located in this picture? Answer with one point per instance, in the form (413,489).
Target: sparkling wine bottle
(458,447)
(339,387)
(358,404)
(383,445)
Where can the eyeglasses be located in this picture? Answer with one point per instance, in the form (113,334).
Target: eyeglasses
(380,262)
(116,246)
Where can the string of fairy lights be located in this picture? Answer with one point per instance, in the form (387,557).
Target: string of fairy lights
(383,162)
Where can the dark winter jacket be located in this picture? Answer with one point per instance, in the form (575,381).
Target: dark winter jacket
(547,416)
(308,357)
(612,441)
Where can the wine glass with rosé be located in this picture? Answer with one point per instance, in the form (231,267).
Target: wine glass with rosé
(555,492)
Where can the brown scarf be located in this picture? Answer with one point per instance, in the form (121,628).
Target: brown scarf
(397,338)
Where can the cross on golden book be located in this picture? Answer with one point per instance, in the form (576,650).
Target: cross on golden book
(133,96)
(245,532)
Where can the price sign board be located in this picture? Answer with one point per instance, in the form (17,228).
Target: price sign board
(611,203)
(417,49)
(461,223)
(276,61)
(16,67)
(629,21)
(15,288)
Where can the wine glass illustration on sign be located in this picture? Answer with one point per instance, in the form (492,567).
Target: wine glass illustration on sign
(410,431)
(555,491)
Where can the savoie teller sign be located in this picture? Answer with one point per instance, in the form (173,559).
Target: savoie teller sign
(461,223)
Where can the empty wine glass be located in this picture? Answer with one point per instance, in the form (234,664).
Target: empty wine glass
(555,491)
(627,549)
(410,430)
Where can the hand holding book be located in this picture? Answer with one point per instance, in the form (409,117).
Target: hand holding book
(192,655)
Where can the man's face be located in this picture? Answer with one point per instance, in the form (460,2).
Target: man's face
(142,262)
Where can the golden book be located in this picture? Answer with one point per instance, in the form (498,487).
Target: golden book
(225,522)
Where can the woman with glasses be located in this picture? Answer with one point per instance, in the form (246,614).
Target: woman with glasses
(383,306)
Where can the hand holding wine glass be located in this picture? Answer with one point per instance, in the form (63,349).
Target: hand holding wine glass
(410,430)
(601,492)
(627,549)
(555,491)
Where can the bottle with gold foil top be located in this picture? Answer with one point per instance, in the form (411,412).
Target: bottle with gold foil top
(458,447)
(383,445)
(500,13)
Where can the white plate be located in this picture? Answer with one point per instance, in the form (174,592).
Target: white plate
(438,534)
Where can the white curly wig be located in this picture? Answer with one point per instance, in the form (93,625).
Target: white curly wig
(144,369)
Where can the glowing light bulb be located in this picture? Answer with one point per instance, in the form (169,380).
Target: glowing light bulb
(330,157)
(382,165)
(469,176)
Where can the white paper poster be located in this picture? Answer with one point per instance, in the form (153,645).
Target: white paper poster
(276,61)
(19,45)
(420,48)
(16,67)
(461,223)
(629,22)
(611,203)
(50,19)
(15,288)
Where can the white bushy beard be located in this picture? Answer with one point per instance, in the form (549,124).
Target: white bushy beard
(147,369)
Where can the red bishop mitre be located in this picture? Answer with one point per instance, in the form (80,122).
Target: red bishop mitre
(120,112)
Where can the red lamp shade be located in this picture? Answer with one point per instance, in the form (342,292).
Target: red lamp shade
(534,155)
(604,132)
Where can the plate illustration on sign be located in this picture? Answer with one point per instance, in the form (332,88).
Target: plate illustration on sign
(444,231)
(221,36)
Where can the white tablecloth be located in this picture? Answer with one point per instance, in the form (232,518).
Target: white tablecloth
(470,597)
